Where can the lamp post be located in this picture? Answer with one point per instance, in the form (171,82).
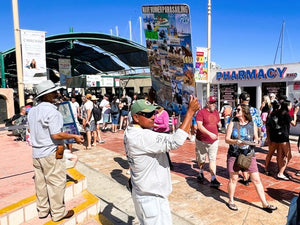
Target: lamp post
(18,52)
(208,46)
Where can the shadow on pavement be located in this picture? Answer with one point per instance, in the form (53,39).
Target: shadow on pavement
(122,162)
(184,168)
(282,195)
(119,177)
(108,214)
(215,193)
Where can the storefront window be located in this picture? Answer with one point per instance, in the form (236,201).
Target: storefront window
(294,91)
(278,88)
(228,92)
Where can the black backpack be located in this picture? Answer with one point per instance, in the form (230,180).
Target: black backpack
(97,112)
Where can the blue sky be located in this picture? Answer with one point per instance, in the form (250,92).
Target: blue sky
(244,32)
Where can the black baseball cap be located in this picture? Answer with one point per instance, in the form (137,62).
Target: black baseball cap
(245,96)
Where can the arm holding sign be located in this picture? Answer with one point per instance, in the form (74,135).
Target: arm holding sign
(62,135)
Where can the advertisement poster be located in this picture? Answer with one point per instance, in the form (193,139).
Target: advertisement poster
(201,64)
(70,126)
(168,38)
(33,56)
(64,66)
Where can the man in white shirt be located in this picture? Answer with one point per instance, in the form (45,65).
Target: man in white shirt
(150,170)
(46,125)
(75,108)
(104,105)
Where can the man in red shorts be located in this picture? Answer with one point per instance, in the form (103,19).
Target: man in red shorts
(208,122)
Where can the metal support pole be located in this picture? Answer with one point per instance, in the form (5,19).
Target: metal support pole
(117,31)
(141,31)
(130,31)
(72,55)
(18,52)
(3,83)
(208,45)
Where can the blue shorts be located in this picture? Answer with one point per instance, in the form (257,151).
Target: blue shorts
(124,113)
(115,118)
(105,118)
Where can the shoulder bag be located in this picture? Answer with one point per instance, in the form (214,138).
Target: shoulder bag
(243,161)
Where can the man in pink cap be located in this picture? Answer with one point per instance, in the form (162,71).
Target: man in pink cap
(208,122)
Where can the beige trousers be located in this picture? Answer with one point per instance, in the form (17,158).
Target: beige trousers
(50,184)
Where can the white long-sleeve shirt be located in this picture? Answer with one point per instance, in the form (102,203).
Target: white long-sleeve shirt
(146,154)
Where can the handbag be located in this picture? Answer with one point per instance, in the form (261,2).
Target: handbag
(244,159)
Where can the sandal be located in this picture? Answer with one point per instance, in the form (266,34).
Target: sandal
(232,206)
(88,148)
(297,173)
(269,208)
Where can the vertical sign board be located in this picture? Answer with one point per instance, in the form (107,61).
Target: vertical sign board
(64,66)
(201,64)
(169,46)
(69,121)
(33,56)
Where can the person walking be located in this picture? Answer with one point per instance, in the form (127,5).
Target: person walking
(245,99)
(105,106)
(226,112)
(115,114)
(278,126)
(124,113)
(90,125)
(45,124)
(97,113)
(149,166)
(240,129)
(208,122)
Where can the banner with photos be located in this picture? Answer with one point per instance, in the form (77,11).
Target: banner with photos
(168,38)
(201,64)
(64,67)
(33,56)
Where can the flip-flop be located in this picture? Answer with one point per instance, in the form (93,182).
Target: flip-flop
(269,208)
(232,206)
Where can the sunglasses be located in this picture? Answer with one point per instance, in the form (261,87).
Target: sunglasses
(147,115)
(238,110)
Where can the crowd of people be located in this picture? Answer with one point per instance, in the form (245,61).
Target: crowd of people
(151,132)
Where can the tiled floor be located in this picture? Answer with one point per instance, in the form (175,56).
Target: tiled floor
(189,199)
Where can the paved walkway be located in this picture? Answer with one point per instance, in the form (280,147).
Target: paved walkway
(105,167)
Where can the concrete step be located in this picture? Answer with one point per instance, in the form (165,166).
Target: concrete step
(86,207)
(25,209)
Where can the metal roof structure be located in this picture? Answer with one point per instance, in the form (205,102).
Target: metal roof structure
(90,53)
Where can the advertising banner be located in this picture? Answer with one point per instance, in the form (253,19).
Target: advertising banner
(64,66)
(169,46)
(201,65)
(33,56)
